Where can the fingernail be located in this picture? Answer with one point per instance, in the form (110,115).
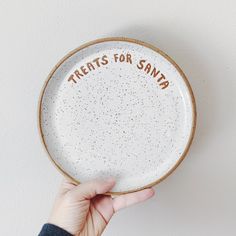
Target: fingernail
(152,191)
(110,180)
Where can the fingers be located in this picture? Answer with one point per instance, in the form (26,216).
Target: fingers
(104,205)
(67,180)
(65,186)
(129,199)
(90,189)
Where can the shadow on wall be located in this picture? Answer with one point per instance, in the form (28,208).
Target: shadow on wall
(192,66)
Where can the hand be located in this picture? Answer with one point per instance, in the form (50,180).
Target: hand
(83,210)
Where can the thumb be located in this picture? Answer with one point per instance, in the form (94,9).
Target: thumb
(92,188)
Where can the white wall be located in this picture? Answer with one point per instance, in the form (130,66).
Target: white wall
(199,197)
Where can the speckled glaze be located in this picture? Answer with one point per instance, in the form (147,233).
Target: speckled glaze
(117,120)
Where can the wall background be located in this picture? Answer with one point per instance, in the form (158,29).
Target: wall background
(199,197)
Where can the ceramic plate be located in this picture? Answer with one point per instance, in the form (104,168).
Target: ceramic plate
(117,107)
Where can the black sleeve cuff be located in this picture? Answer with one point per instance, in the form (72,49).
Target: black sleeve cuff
(53,230)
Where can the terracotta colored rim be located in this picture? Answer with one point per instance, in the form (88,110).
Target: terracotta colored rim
(135,41)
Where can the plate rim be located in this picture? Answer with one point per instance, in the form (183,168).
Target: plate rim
(129,40)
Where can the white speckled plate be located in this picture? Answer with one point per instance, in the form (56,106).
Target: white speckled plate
(117,107)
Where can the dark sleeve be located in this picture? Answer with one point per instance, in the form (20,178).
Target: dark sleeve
(53,230)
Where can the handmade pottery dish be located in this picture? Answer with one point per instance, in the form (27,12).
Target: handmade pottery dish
(117,107)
